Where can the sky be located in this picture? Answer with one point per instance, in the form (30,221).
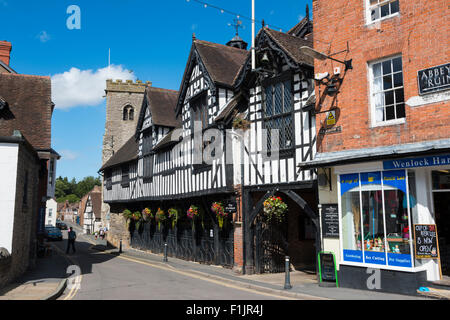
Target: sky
(149,40)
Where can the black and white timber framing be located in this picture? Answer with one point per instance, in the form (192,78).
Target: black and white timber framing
(162,167)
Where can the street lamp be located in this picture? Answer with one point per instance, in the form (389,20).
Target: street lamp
(322,56)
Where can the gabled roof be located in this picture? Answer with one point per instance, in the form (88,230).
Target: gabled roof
(162,104)
(220,64)
(291,45)
(301,29)
(127,153)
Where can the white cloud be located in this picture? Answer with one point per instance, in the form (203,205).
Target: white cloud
(77,87)
(68,155)
(43,36)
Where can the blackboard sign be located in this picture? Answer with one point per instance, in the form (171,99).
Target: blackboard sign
(230,207)
(330,221)
(327,269)
(434,79)
(425,241)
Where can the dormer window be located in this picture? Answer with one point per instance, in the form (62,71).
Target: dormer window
(128,113)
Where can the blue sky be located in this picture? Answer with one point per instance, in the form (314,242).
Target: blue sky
(149,38)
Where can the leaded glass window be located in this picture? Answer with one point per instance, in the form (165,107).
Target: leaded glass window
(278,108)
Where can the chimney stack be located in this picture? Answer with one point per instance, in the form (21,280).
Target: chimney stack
(5,51)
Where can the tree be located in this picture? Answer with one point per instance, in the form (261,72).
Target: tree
(72,190)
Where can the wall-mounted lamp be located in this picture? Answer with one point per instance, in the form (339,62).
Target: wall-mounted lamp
(321,56)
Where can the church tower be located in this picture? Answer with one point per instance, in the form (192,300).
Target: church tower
(123,105)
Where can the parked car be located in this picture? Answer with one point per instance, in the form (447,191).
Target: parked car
(61,225)
(52,233)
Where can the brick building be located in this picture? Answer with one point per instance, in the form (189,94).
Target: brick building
(27,165)
(383,139)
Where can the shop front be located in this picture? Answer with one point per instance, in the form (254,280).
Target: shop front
(382,206)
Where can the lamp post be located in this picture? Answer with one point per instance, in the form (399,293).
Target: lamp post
(322,56)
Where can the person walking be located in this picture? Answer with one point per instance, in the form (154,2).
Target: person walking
(71,240)
(102,233)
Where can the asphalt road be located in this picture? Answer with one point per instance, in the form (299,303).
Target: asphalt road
(103,276)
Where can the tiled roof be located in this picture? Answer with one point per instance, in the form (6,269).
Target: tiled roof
(127,153)
(291,45)
(222,62)
(30,108)
(162,106)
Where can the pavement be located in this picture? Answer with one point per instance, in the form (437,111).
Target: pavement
(48,282)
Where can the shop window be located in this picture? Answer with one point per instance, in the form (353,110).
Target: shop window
(387,94)
(378,200)
(381,9)
(441,180)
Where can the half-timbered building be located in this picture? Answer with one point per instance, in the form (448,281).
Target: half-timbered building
(231,135)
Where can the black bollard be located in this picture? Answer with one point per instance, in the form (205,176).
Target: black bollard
(165,252)
(287,279)
(120,246)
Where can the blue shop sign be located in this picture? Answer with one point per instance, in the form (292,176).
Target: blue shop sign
(417,162)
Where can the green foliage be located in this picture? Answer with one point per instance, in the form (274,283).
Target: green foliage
(73,190)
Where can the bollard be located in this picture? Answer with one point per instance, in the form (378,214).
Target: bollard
(287,279)
(165,252)
(120,246)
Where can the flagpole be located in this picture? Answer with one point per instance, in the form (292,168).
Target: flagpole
(253,36)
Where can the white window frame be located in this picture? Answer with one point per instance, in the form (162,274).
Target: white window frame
(369,7)
(373,121)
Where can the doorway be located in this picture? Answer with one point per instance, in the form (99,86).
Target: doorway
(441,200)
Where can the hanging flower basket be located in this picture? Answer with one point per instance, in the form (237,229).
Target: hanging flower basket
(173,216)
(241,123)
(217,208)
(160,217)
(147,214)
(127,214)
(275,209)
(192,212)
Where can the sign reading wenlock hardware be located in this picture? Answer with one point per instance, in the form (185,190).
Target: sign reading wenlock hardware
(434,79)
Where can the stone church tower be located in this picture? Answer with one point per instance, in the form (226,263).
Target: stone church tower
(123,105)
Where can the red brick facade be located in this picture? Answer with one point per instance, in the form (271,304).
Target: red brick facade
(419,33)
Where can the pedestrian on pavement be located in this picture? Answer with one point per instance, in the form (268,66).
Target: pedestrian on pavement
(71,240)
(102,234)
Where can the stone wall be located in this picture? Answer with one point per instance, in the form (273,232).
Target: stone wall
(118,228)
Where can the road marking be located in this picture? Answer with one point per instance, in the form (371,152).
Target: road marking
(73,291)
(206,279)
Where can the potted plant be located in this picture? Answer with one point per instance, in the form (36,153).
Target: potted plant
(218,209)
(160,217)
(275,209)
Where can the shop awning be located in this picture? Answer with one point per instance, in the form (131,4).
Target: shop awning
(329,159)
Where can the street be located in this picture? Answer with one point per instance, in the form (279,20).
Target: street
(105,276)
